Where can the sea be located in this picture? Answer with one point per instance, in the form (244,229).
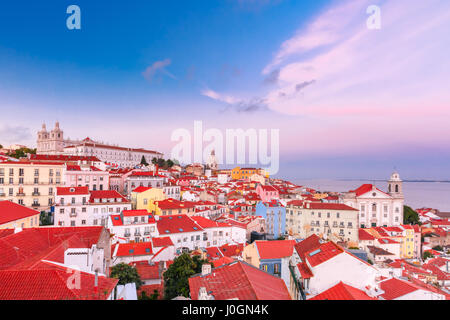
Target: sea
(434,195)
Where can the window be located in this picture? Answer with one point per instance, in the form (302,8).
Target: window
(276,268)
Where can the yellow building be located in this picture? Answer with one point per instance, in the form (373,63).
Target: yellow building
(239,173)
(250,255)
(171,206)
(13,216)
(407,248)
(143,198)
(403,234)
(32,184)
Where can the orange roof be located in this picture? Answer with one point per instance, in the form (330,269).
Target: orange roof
(10,211)
(240,280)
(274,249)
(343,291)
(325,252)
(50,283)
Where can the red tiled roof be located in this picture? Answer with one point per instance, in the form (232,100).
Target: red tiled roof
(170,203)
(68,191)
(310,243)
(222,261)
(364,189)
(232,250)
(275,249)
(51,284)
(10,211)
(395,288)
(89,143)
(343,291)
(364,235)
(133,249)
(28,247)
(65,158)
(176,224)
(106,194)
(325,252)
(147,271)
(305,272)
(242,281)
(141,189)
(134,213)
(162,242)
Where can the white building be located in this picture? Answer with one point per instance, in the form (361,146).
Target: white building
(121,156)
(132,225)
(77,206)
(376,207)
(53,142)
(191,233)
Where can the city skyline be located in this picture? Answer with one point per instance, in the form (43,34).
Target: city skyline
(349,102)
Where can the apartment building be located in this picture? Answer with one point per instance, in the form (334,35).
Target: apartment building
(337,222)
(28,183)
(77,206)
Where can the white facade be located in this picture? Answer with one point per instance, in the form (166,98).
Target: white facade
(343,267)
(378,208)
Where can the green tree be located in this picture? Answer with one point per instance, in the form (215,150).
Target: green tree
(45,219)
(170,163)
(370,261)
(22,152)
(153,296)
(410,216)
(1,147)
(176,278)
(143,161)
(155,160)
(438,248)
(161,162)
(427,255)
(126,274)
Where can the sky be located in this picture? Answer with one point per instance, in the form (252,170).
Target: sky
(348,101)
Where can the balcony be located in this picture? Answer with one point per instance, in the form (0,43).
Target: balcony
(2,194)
(73,214)
(36,194)
(20,194)
(36,204)
(127,234)
(146,233)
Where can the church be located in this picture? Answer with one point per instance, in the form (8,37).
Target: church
(53,143)
(376,207)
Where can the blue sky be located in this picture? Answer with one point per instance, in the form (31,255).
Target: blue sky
(138,70)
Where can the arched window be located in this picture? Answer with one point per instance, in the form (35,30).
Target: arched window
(396,188)
(374,207)
(390,188)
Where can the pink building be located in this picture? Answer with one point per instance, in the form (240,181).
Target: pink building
(85,176)
(117,179)
(267,193)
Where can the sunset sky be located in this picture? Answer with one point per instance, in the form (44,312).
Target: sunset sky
(349,102)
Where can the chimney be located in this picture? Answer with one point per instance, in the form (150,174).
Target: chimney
(206,269)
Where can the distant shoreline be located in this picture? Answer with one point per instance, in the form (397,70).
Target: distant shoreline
(382,180)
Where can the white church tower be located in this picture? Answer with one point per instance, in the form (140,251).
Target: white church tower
(212,162)
(395,186)
(50,142)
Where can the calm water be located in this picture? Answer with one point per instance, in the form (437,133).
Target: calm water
(417,194)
